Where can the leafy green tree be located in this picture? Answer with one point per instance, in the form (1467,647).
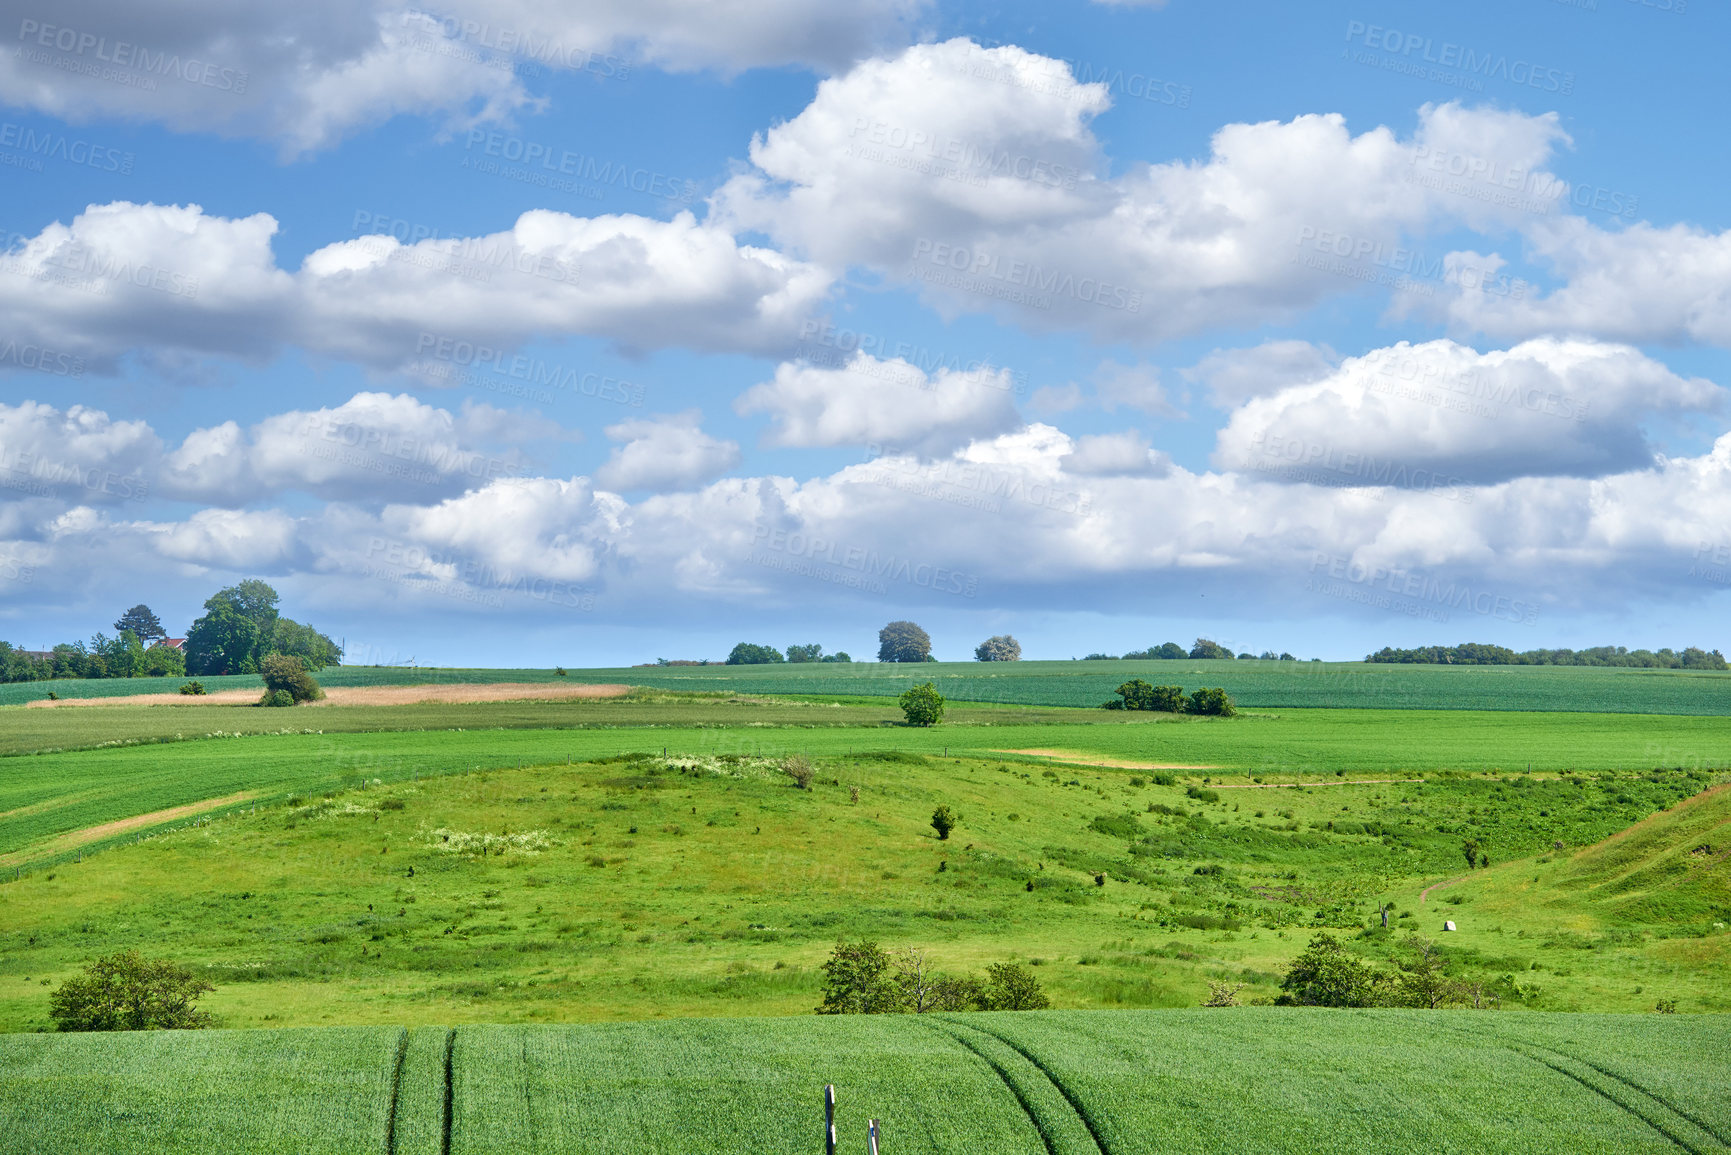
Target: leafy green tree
(288,636)
(128,992)
(162,661)
(222,641)
(1013,987)
(287,674)
(144,624)
(1424,980)
(904,642)
(1212,703)
(923,705)
(1001,648)
(1204,648)
(838,656)
(945,820)
(858,981)
(811,653)
(747,654)
(1470,851)
(1325,975)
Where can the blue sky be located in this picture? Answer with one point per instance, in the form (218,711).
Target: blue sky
(518,332)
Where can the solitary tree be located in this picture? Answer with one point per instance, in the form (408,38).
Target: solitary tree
(923,705)
(857,981)
(142,623)
(1001,648)
(1204,648)
(128,992)
(903,642)
(1324,975)
(1211,702)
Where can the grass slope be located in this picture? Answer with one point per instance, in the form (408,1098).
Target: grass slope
(1313,685)
(1280,1082)
(638,887)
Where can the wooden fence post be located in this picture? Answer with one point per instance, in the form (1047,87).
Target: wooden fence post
(829,1119)
(872,1136)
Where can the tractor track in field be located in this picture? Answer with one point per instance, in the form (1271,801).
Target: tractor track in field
(1010,1084)
(1081,1112)
(1638,1102)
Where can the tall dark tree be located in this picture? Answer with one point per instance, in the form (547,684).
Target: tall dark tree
(142,623)
(241,626)
(903,642)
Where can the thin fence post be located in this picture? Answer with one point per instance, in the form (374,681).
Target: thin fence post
(872,1136)
(829,1119)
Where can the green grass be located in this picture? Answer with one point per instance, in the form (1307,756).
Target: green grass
(1314,685)
(1262,1081)
(636,888)
(45,795)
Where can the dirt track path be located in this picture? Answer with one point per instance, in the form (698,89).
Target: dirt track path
(1425,893)
(73,839)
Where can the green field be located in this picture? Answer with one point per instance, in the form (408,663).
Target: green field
(1316,685)
(1127,1083)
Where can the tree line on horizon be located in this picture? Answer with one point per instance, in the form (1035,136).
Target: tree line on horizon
(240,628)
(1484,654)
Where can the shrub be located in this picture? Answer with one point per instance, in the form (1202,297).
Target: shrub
(799,768)
(559,672)
(1013,987)
(923,705)
(192,687)
(277,698)
(945,820)
(1001,648)
(287,672)
(1139,695)
(128,992)
(1213,703)
(1222,994)
(1202,794)
(1163,778)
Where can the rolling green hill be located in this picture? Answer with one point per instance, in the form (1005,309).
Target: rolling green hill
(1127,1083)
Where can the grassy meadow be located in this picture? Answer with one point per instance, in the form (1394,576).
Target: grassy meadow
(1127,1083)
(444,927)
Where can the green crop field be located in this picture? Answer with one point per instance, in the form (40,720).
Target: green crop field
(1284,1082)
(1317,685)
